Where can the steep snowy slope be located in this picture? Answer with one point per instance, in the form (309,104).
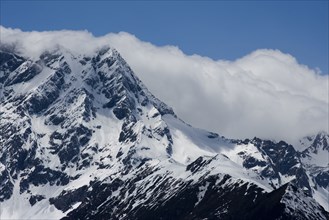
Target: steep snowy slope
(82,138)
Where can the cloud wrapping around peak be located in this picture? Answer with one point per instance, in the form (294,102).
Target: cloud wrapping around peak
(266,93)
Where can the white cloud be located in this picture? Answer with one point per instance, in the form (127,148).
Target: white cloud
(266,93)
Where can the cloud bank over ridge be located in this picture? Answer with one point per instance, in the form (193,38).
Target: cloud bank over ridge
(266,93)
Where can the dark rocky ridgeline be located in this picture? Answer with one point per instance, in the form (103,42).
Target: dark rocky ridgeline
(211,197)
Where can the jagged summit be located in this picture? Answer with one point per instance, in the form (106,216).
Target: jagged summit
(106,68)
(82,137)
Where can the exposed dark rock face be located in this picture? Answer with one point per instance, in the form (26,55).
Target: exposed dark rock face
(9,62)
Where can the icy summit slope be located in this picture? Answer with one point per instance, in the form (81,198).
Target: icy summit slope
(82,138)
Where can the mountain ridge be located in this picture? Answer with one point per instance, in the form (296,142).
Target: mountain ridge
(84,125)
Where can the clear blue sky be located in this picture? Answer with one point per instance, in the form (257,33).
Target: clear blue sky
(217,29)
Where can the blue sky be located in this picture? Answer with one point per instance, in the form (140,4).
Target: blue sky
(217,29)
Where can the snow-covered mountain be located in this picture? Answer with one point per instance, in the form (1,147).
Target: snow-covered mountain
(81,137)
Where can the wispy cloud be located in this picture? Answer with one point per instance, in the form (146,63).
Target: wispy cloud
(266,93)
